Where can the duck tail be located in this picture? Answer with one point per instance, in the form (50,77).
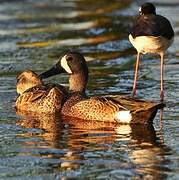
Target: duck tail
(147,114)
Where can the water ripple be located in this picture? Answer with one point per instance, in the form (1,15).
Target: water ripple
(33,34)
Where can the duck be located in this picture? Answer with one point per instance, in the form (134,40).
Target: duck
(35,96)
(120,109)
(151,33)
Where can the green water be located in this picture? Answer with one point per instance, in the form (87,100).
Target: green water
(33,35)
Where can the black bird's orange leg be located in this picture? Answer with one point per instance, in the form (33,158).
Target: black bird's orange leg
(161,77)
(136,75)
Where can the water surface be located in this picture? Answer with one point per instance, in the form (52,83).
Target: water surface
(33,35)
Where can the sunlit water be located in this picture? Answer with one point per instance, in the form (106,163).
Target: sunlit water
(33,34)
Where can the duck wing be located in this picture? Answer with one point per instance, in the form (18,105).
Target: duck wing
(35,93)
(142,111)
(135,104)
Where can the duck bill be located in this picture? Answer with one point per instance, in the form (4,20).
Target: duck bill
(56,69)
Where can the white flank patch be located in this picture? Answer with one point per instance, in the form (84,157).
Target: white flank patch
(123,116)
(65,66)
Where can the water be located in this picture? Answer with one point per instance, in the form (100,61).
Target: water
(33,34)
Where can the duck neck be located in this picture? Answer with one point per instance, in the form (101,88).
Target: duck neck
(78,82)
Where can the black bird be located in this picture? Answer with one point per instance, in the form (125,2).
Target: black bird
(151,33)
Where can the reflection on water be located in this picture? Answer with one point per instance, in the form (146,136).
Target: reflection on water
(33,35)
(122,147)
(72,42)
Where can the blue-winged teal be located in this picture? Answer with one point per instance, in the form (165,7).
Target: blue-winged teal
(111,109)
(151,33)
(37,97)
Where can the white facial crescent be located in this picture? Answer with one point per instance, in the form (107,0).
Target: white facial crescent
(65,66)
(140,10)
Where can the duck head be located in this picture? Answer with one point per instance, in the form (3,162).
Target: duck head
(147,8)
(26,80)
(74,64)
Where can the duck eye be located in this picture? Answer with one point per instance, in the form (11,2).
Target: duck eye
(17,80)
(69,58)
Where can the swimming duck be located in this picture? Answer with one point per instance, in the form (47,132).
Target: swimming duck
(110,109)
(151,33)
(35,96)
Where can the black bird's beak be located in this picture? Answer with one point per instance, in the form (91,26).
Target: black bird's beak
(56,69)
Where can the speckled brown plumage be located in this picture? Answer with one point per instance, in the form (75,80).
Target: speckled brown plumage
(94,108)
(108,109)
(39,98)
(104,108)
